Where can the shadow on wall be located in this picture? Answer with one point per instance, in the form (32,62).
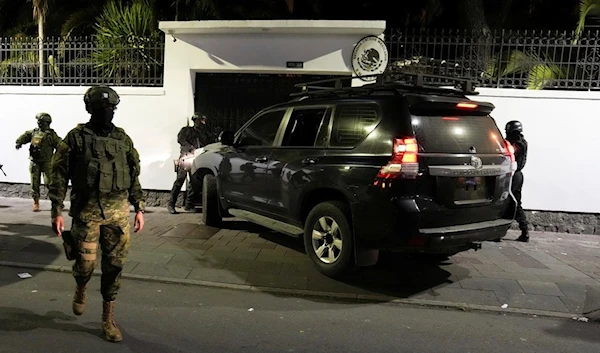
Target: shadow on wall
(263,51)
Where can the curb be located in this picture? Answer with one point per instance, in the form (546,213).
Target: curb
(315,294)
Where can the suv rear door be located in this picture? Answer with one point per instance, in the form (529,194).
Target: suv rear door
(296,160)
(462,156)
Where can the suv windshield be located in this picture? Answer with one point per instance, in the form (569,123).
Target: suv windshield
(457,134)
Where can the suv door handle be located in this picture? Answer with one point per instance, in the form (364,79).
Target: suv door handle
(310,161)
(262,159)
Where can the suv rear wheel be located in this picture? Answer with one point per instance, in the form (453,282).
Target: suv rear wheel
(211,208)
(328,238)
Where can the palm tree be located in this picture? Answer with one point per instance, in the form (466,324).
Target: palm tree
(40,11)
(124,33)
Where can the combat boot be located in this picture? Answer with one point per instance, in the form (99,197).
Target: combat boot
(524,237)
(172,209)
(110,329)
(36,205)
(79,299)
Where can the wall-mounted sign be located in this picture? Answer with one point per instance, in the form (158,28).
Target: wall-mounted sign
(295,64)
(370,57)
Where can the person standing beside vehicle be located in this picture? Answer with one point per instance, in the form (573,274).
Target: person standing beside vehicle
(103,166)
(43,142)
(514,135)
(190,138)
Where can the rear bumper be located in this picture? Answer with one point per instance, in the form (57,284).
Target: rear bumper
(397,229)
(464,234)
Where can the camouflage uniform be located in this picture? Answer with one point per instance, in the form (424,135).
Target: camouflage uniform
(43,141)
(103,167)
(189,138)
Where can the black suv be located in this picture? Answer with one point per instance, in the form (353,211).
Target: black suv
(399,164)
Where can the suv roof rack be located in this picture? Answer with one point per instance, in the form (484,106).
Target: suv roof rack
(389,81)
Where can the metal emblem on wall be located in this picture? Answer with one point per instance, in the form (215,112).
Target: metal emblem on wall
(370,57)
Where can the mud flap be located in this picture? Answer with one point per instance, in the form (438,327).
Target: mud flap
(363,256)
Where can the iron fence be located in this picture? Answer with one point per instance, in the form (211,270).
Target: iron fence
(502,59)
(82,61)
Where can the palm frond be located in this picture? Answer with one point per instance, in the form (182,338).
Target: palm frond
(521,62)
(587,8)
(80,20)
(542,74)
(124,35)
(203,9)
(40,8)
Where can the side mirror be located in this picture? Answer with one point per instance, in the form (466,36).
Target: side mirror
(226,138)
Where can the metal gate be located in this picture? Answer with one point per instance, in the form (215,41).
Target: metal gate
(230,100)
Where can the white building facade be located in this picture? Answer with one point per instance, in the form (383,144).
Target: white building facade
(230,69)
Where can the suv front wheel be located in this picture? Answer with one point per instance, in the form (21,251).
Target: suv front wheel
(328,238)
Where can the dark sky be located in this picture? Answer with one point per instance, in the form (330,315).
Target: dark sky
(524,14)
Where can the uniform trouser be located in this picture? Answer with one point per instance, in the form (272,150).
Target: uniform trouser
(517,186)
(178,184)
(113,235)
(37,170)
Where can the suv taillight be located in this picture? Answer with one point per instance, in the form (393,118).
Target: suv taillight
(404,162)
(510,151)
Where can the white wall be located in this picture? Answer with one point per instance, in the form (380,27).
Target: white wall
(145,113)
(561,128)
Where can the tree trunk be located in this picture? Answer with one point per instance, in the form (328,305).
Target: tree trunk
(290,5)
(41,48)
(473,16)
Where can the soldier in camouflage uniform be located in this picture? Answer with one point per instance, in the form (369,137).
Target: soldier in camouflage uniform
(189,138)
(103,166)
(43,141)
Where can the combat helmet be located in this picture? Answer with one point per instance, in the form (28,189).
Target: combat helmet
(513,126)
(99,95)
(45,117)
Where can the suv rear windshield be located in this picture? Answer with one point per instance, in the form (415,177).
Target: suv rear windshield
(457,134)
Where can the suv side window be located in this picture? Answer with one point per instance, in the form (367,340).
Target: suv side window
(352,123)
(262,131)
(306,128)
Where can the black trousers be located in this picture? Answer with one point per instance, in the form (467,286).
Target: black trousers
(178,184)
(517,186)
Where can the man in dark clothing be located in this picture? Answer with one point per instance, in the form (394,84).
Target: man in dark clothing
(514,135)
(190,138)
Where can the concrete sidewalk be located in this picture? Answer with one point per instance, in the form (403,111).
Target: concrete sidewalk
(555,274)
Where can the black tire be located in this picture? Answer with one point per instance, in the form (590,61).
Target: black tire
(211,208)
(338,212)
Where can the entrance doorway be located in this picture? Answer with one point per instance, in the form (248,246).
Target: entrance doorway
(230,100)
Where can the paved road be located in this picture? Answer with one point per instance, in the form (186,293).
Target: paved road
(555,272)
(35,317)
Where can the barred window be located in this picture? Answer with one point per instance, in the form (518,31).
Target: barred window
(352,123)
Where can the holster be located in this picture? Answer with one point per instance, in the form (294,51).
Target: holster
(176,165)
(70,245)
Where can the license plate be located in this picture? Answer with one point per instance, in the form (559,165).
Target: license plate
(470,188)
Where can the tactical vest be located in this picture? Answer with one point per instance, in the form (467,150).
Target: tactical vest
(35,147)
(102,162)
